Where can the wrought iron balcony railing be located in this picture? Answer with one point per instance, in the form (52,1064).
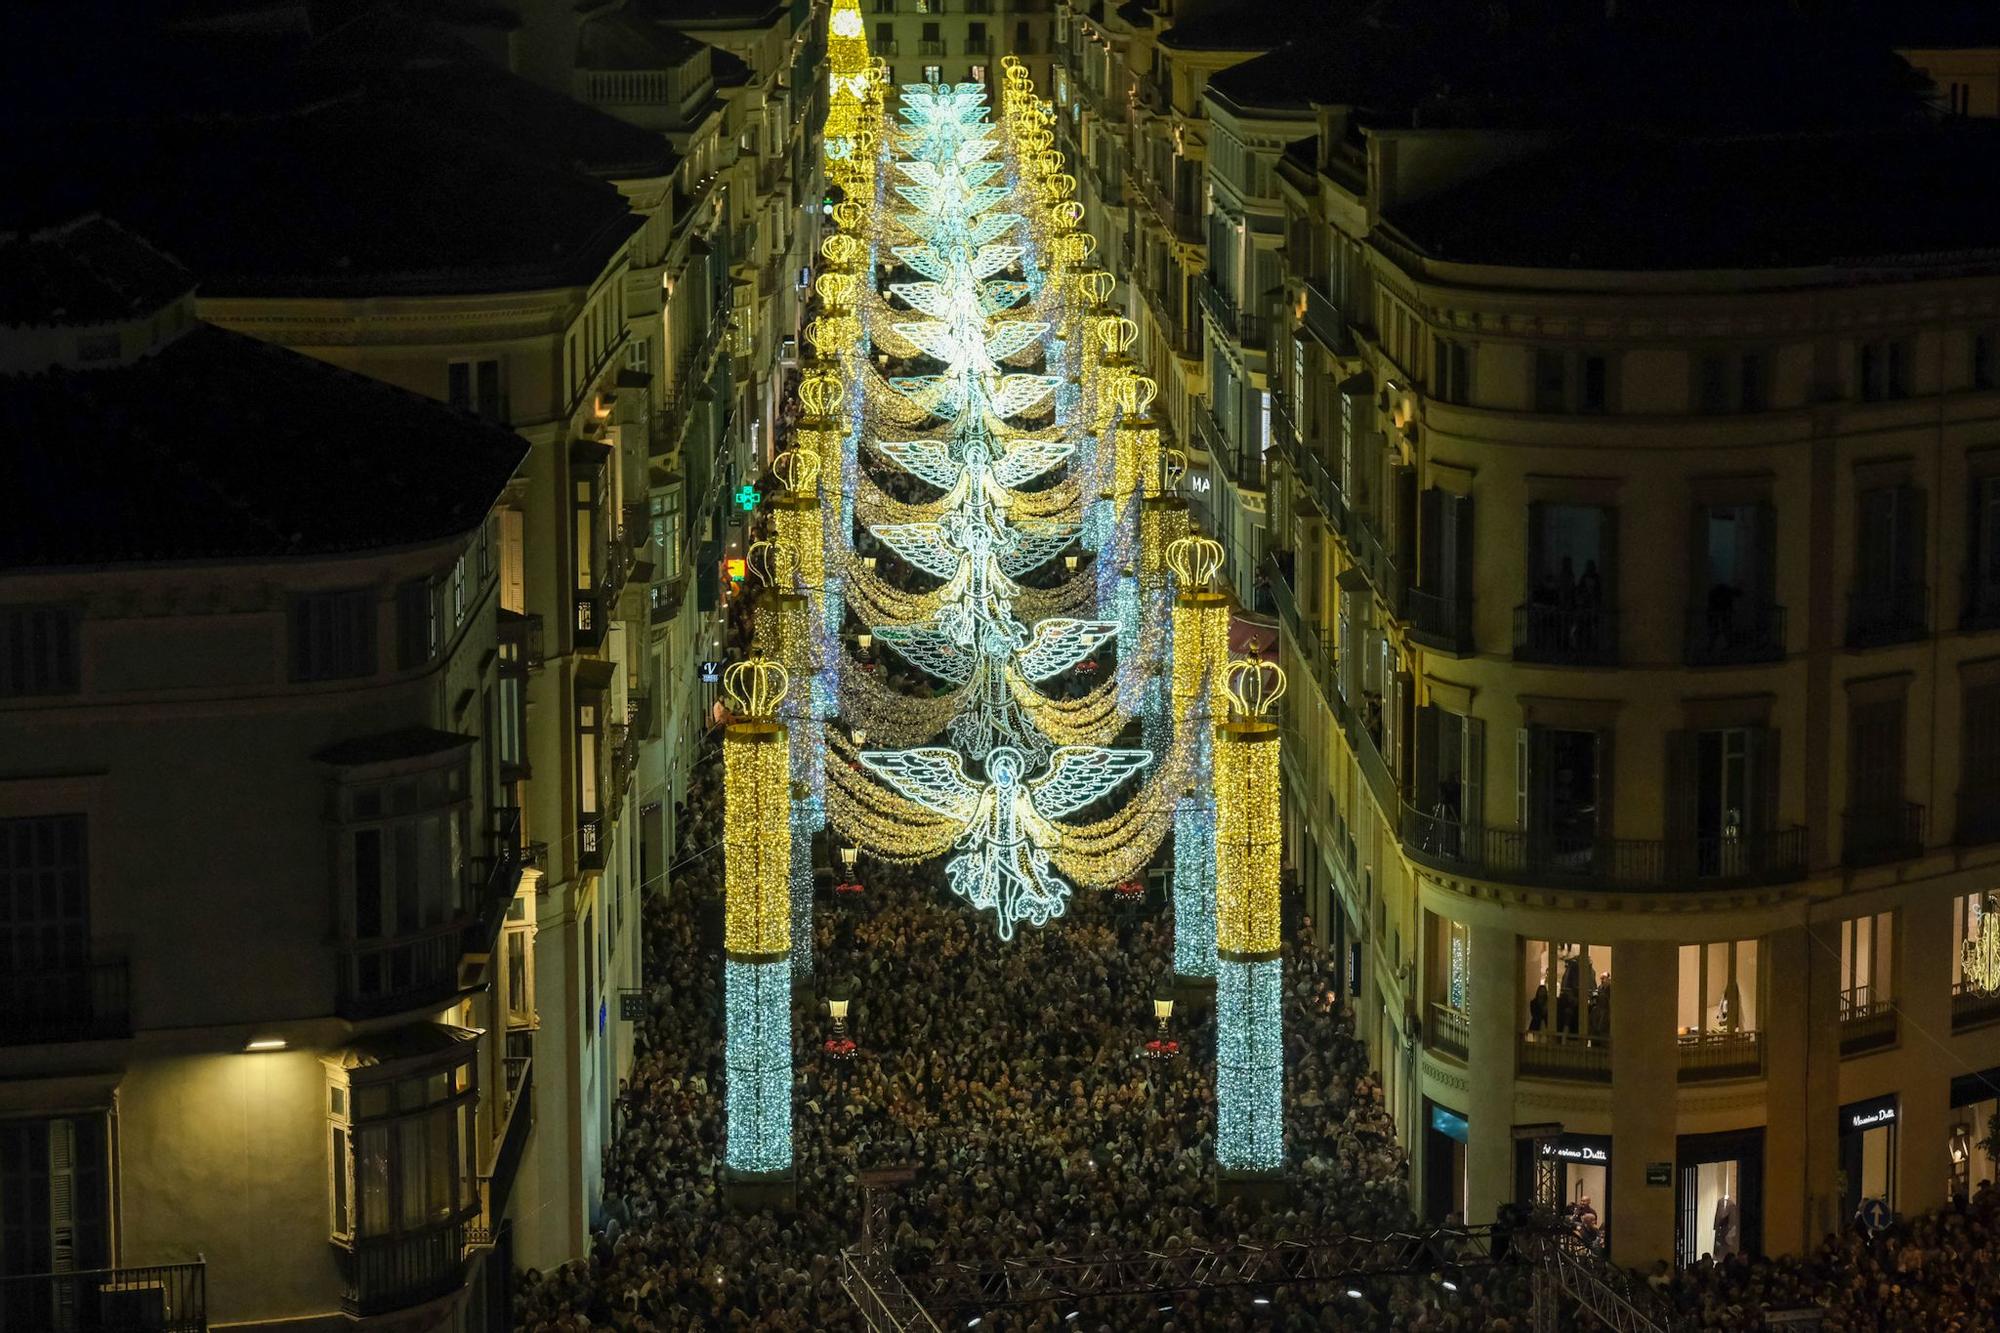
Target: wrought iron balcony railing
(87,1000)
(156,1298)
(1738,636)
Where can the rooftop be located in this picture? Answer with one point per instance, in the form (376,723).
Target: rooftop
(221,447)
(1780,201)
(90,271)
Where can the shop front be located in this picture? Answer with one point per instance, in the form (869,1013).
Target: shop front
(1581,1164)
(1868,1158)
(1720,1200)
(1975,1132)
(1446,1133)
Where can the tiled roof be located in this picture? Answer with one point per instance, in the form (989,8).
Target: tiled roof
(1780,201)
(91,271)
(220,446)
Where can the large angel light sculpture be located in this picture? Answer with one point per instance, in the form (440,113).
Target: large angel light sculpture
(1003,861)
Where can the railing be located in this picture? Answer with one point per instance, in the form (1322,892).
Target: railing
(641,716)
(1889,831)
(520,640)
(930,48)
(158,1298)
(1179,334)
(1310,644)
(590,620)
(1325,322)
(1866,1023)
(386,1273)
(1376,562)
(1565,1055)
(1152,95)
(1737,636)
(82,1001)
(979,46)
(1451,1030)
(1437,838)
(496,1181)
(1978,816)
(1234,461)
(1320,481)
(1716,1055)
(1247,329)
(1972,1007)
(1566,635)
(1892,614)
(503,881)
(1438,621)
(1184,224)
(387,976)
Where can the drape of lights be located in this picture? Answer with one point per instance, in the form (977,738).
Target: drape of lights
(757,921)
(1249,983)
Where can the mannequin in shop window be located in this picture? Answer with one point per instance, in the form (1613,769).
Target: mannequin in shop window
(1728,1227)
(1600,1009)
(1538,1009)
(1729,1011)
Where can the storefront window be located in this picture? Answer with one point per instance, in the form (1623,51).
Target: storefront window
(1720,1195)
(1568,990)
(1973,1139)
(1718,988)
(1868,1158)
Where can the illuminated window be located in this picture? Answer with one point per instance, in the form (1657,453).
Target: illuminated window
(1718,988)
(1867,948)
(1971,917)
(403,1148)
(1567,988)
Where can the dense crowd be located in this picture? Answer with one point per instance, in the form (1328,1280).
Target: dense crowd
(1012,1077)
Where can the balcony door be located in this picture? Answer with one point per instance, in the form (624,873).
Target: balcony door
(1565,786)
(1450,757)
(44,920)
(1725,781)
(55,1213)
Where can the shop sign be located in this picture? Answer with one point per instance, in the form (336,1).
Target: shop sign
(711,673)
(1571,1148)
(1659,1173)
(1857,1116)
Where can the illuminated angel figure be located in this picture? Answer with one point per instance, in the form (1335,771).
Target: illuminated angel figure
(1003,861)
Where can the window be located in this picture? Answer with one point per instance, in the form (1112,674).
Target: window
(1883,370)
(1732,382)
(1979,764)
(1730,613)
(1572,381)
(1888,602)
(417,629)
(885,33)
(934,73)
(1881,825)
(55,1184)
(1451,371)
(1972,915)
(38,651)
(1867,946)
(403,1147)
(1982,551)
(1572,583)
(975,38)
(1718,988)
(404,849)
(474,386)
(1568,990)
(885,6)
(1986,359)
(44,901)
(333,635)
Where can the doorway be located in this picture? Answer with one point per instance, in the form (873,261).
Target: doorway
(1721,1192)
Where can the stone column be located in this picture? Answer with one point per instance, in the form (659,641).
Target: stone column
(1493,996)
(1802,1071)
(1923,1163)
(1644,1082)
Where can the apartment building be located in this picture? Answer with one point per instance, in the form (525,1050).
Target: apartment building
(613,281)
(1629,544)
(265,940)
(957,41)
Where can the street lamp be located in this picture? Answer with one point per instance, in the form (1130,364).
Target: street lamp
(1163,1046)
(860,737)
(864,641)
(839,993)
(1071,561)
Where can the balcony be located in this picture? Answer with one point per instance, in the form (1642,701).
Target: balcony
(1565,1055)
(81,1001)
(1178,334)
(1738,636)
(1888,831)
(161,1298)
(590,843)
(1438,621)
(1324,321)
(1890,614)
(1719,1055)
(1311,645)
(1247,473)
(591,620)
(1866,1023)
(930,48)
(1565,635)
(496,1178)
(979,46)
(1450,1030)
(404,972)
(502,881)
(1374,560)
(1183,224)
(520,641)
(380,1275)
(1437,839)
(1248,330)
(1972,1007)
(1310,470)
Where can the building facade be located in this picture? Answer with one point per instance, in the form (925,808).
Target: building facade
(1632,596)
(267,946)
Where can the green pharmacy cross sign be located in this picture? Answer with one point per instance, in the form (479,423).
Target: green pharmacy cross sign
(746,498)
